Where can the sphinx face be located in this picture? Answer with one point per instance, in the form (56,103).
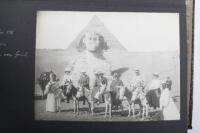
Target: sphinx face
(91,41)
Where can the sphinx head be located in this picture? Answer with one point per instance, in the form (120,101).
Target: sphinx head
(92,42)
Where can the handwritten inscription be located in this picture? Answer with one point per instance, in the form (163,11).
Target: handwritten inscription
(14,54)
(10,32)
(3,44)
(20,54)
(6,32)
(7,55)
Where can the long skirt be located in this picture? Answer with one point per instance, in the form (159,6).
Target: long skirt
(171,112)
(153,98)
(51,103)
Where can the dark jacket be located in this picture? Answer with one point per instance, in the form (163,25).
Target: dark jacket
(114,84)
(169,84)
(84,81)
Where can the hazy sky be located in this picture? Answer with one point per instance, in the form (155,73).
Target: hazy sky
(135,31)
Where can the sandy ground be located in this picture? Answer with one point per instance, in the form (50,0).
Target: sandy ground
(67,114)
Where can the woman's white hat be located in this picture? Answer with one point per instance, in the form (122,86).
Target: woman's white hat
(156,74)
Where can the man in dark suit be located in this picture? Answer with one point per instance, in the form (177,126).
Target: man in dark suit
(114,89)
(83,83)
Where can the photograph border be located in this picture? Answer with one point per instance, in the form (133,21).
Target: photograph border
(183,57)
(41,115)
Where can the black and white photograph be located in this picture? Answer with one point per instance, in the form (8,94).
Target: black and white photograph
(107,66)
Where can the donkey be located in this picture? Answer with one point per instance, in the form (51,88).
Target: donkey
(59,95)
(101,95)
(109,100)
(112,101)
(125,92)
(108,104)
(71,92)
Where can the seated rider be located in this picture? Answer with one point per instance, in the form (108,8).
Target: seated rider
(101,84)
(83,84)
(137,86)
(67,81)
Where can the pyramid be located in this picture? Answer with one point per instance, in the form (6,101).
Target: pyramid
(95,25)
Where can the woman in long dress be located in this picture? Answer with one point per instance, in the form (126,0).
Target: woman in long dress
(167,105)
(153,92)
(50,89)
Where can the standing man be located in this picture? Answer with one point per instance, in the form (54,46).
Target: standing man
(83,84)
(50,90)
(115,85)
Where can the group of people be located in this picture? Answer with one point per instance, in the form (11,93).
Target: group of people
(158,94)
(157,91)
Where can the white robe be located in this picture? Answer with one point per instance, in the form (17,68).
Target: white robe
(51,103)
(170,111)
(51,99)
